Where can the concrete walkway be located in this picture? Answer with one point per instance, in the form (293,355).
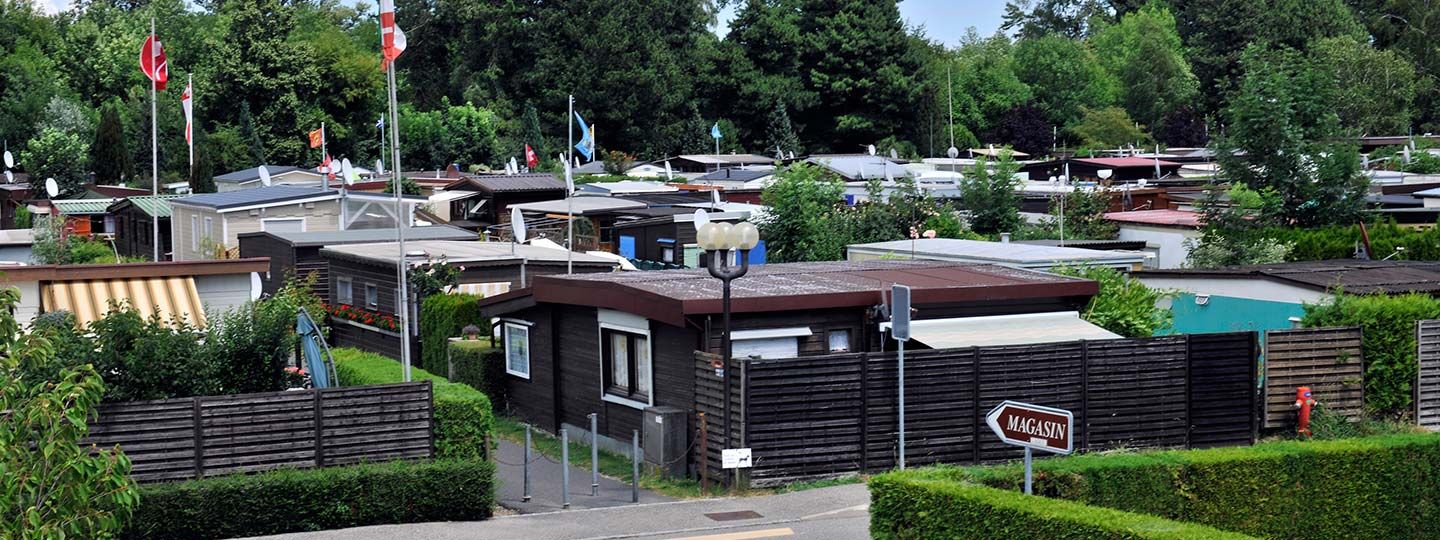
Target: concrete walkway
(546,482)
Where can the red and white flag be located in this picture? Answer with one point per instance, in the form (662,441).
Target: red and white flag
(532,160)
(325,167)
(152,61)
(187,103)
(392,39)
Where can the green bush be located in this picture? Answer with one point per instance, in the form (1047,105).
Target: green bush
(482,367)
(1388,324)
(1377,487)
(1124,306)
(919,505)
(316,499)
(1338,242)
(463,417)
(441,318)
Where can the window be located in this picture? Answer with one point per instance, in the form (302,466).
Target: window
(626,364)
(283,225)
(517,350)
(372,296)
(344,291)
(667,254)
(210,229)
(839,341)
(195,233)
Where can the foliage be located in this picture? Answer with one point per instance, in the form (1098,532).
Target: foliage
(50,485)
(482,367)
(1124,305)
(920,504)
(87,251)
(1183,128)
(50,245)
(441,318)
(59,155)
(23,218)
(408,186)
(1231,234)
(983,90)
(1342,241)
(780,132)
(1388,323)
(1023,128)
(988,194)
(1374,88)
(110,154)
(463,417)
(460,134)
(1065,77)
(1143,51)
(1069,18)
(1083,214)
(1109,127)
(804,203)
(316,499)
(202,174)
(434,276)
(147,358)
(617,162)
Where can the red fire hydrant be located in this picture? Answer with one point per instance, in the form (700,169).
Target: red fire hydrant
(1304,402)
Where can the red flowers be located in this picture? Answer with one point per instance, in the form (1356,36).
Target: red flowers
(364,316)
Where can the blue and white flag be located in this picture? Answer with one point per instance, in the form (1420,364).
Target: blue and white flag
(380,124)
(715,131)
(586,146)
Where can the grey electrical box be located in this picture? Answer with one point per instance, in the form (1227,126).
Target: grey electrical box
(900,312)
(664,439)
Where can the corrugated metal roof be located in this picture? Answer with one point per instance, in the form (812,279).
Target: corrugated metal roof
(580,205)
(1126,162)
(861,167)
(1170,218)
(89,300)
(256,196)
(1353,276)
(367,236)
(152,205)
(80,207)
(463,252)
(954,249)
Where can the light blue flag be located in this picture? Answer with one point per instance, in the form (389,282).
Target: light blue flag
(715,131)
(586,146)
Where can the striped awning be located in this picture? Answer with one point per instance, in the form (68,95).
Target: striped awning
(89,300)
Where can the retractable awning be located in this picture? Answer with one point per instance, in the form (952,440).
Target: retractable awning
(1026,329)
(89,300)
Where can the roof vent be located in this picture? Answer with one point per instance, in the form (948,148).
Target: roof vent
(1004,238)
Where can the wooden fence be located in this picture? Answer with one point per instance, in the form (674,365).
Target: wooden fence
(1328,360)
(1427,384)
(176,439)
(813,417)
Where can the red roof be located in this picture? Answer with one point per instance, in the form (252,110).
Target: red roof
(1122,162)
(1170,218)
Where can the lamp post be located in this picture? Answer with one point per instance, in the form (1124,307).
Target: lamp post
(717,239)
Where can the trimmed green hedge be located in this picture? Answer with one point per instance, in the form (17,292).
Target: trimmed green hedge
(316,499)
(1388,323)
(463,416)
(1376,487)
(482,367)
(923,505)
(441,318)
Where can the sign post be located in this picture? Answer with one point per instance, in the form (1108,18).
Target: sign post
(1034,427)
(900,329)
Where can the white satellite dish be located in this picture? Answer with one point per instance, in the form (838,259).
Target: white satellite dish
(379,167)
(517,224)
(50,186)
(894,154)
(669,175)
(255,286)
(9,178)
(514,166)
(872,149)
(264,176)
(1104,174)
(792,154)
(348,171)
(953,152)
(9,160)
(701,218)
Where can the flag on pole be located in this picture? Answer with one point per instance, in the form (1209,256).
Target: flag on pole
(392,39)
(380,124)
(715,131)
(569,178)
(532,160)
(317,138)
(586,145)
(152,62)
(327,167)
(187,103)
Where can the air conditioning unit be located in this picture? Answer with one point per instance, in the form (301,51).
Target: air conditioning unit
(664,439)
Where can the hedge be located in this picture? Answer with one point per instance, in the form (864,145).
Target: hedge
(1388,323)
(316,499)
(1377,487)
(482,367)
(463,416)
(920,505)
(441,318)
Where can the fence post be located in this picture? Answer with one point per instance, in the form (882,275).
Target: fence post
(594,454)
(635,466)
(564,468)
(977,420)
(1189,361)
(704,454)
(1084,396)
(318,404)
(199,439)
(864,413)
(526,494)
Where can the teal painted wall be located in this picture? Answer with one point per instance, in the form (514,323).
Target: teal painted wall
(1228,314)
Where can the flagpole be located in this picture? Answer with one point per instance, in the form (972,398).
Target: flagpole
(190,127)
(325,177)
(570,194)
(403,265)
(154,142)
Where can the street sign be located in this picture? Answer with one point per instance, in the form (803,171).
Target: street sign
(900,312)
(1033,426)
(735,458)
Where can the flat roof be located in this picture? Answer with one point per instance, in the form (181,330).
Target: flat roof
(511,182)
(72,272)
(362,236)
(78,207)
(253,173)
(1124,162)
(582,205)
(261,196)
(1352,275)
(997,252)
(724,159)
(671,295)
(17,237)
(457,251)
(1164,218)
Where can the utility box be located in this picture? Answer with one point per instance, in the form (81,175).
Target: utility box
(664,440)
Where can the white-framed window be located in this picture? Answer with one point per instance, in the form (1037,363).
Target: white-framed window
(768,342)
(344,291)
(625,359)
(372,296)
(210,228)
(667,254)
(283,224)
(839,341)
(195,233)
(517,350)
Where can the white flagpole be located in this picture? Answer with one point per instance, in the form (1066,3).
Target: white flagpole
(400,222)
(154,141)
(570,194)
(190,122)
(325,178)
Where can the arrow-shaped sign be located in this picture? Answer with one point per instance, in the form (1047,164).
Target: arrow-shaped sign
(1033,426)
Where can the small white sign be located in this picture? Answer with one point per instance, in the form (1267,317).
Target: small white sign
(735,458)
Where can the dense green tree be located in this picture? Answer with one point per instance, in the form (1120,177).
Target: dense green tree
(780,133)
(1069,18)
(1374,88)
(1183,128)
(982,88)
(59,155)
(250,137)
(1023,128)
(1234,228)
(988,193)
(202,173)
(761,53)
(805,208)
(1409,28)
(530,134)
(110,153)
(1108,127)
(1143,51)
(1065,77)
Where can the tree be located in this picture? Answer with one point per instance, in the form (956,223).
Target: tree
(530,133)
(805,207)
(1143,51)
(780,134)
(1233,226)
(409,186)
(202,174)
(1083,213)
(59,155)
(1109,127)
(251,138)
(111,154)
(1124,305)
(1070,18)
(988,193)
(617,163)
(1065,77)
(1183,128)
(1023,128)
(1374,88)
(1408,28)
(54,487)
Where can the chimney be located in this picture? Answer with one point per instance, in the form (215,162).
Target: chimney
(1004,238)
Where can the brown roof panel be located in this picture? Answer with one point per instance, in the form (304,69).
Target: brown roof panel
(1352,276)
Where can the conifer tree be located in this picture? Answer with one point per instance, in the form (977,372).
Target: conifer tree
(110,154)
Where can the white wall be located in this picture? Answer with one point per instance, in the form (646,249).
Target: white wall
(29,306)
(1168,243)
(222,292)
(1248,288)
(321,216)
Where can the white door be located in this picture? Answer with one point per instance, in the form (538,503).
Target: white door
(283,225)
(784,347)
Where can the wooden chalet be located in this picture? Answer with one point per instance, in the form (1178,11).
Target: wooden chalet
(135,219)
(298,253)
(475,202)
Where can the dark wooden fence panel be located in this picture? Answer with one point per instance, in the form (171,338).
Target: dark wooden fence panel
(1224,374)
(1135,394)
(1427,384)
(1328,360)
(1049,375)
(710,400)
(186,438)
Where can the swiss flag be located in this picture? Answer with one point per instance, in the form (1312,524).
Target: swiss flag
(532,160)
(152,61)
(325,167)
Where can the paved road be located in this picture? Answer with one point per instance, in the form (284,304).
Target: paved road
(545,484)
(834,513)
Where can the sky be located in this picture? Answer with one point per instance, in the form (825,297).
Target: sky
(945,21)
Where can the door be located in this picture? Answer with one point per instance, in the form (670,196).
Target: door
(627,247)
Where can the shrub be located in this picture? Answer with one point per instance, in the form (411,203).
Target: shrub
(1124,305)
(441,318)
(1378,487)
(1388,323)
(463,417)
(316,499)
(914,504)
(1339,242)
(482,367)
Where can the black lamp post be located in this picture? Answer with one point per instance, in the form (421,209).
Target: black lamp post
(717,239)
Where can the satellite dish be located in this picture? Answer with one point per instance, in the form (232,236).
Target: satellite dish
(1104,174)
(347,170)
(517,224)
(701,218)
(953,152)
(255,286)
(514,166)
(9,178)
(669,175)
(379,167)
(264,176)
(872,149)
(714,197)
(50,186)
(9,160)
(894,154)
